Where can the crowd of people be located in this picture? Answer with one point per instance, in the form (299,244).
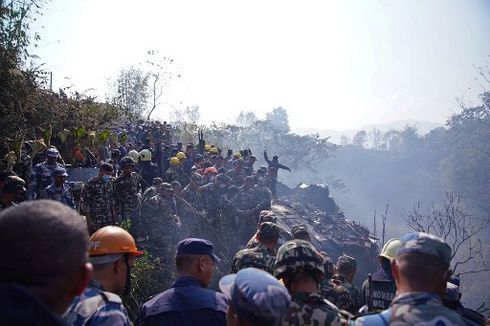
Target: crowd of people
(195,207)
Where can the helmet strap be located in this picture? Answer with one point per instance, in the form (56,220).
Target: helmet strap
(127,289)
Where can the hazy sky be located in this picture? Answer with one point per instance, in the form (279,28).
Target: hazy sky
(331,64)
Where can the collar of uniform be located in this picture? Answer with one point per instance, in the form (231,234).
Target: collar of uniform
(184,281)
(96,285)
(262,247)
(302,297)
(417,298)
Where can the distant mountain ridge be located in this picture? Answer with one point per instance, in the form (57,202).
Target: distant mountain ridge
(423,127)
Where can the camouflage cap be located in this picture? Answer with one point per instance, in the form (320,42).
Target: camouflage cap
(157,181)
(299,230)
(166,186)
(196,177)
(346,262)
(268,229)
(425,243)
(267,216)
(297,254)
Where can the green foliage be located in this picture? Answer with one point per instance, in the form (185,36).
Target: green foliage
(147,279)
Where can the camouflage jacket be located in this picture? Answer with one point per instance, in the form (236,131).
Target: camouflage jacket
(160,221)
(63,194)
(311,309)
(127,191)
(245,199)
(193,197)
(236,177)
(149,193)
(342,293)
(259,257)
(96,307)
(172,174)
(98,197)
(263,197)
(413,308)
(40,179)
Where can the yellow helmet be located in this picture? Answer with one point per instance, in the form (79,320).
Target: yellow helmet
(174,161)
(237,155)
(181,155)
(207,147)
(213,150)
(390,249)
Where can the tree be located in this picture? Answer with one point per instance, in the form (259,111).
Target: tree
(344,140)
(131,92)
(246,119)
(279,119)
(454,224)
(392,140)
(161,74)
(376,137)
(467,167)
(360,138)
(15,19)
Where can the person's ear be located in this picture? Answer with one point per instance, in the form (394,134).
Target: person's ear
(117,266)
(202,263)
(82,277)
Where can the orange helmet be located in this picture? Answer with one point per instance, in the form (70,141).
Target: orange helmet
(111,240)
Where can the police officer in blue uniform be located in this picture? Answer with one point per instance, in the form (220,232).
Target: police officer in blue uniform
(60,190)
(41,176)
(379,290)
(188,301)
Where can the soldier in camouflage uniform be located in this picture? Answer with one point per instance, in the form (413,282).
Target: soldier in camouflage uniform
(152,191)
(127,194)
(98,199)
(236,175)
(247,202)
(343,293)
(191,192)
(41,176)
(112,252)
(421,270)
(300,267)
(263,256)
(13,192)
(162,225)
(264,216)
(263,196)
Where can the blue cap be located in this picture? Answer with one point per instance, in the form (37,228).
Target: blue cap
(425,243)
(59,172)
(256,296)
(195,246)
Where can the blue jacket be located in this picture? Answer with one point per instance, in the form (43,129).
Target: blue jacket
(185,303)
